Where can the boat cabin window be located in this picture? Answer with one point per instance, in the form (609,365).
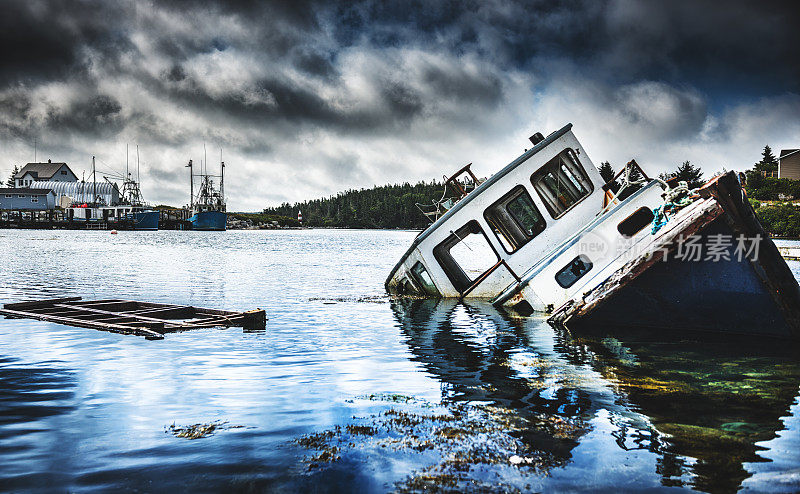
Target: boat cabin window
(514,219)
(573,271)
(634,223)
(465,255)
(423,279)
(562,183)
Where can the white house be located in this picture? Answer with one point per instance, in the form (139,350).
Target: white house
(44,172)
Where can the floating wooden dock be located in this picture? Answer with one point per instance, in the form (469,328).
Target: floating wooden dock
(146,319)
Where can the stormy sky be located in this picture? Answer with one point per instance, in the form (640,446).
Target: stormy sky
(310,98)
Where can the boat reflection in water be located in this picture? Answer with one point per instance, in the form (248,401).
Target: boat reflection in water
(697,407)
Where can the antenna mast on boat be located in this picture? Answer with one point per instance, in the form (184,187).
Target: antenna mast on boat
(221,177)
(138,176)
(191,185)
(94,184)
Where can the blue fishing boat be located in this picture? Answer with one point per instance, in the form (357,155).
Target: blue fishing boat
(208,207)
(140,216)
(145,220)
(209,220)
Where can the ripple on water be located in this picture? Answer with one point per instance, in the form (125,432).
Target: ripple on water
(537,409)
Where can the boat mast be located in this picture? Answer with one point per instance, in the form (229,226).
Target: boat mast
(221,178)
(191,185)
(94,184)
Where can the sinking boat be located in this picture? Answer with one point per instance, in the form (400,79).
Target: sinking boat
(548,234)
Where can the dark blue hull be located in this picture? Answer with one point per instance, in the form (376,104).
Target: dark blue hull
(145,220)
(726,296)
(733,294)
(209,221)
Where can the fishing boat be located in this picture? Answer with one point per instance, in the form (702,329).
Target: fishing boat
(102,205)
(208,207)
(140,216)
(547,234)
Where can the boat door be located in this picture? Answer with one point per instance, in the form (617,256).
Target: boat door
(472,264)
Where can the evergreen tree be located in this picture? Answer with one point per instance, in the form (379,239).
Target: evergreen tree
(388,206)
(768,163)
(768,157)
(606,171)
(686,172)
(10,182)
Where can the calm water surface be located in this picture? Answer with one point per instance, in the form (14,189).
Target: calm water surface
(347,390)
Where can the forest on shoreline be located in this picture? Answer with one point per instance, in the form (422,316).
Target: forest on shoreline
(395,206)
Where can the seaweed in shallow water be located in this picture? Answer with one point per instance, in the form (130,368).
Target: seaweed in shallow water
(464,444)
(199,431)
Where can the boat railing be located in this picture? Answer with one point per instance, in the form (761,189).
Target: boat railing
(627,187)
(459,184)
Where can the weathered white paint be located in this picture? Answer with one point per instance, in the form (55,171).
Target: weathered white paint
(538,261)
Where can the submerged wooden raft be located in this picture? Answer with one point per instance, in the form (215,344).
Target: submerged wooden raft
(146,319)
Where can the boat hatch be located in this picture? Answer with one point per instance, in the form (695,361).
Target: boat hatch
(423,279)
(636,222)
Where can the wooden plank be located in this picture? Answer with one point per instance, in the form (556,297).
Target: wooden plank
(39,303)
(198,310)
(141,318)
(114,328)
(112,305)
(176,312)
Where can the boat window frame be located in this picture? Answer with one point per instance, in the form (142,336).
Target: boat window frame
(572,155)
(502,204)
(585,262)
(454,272)
(427,288)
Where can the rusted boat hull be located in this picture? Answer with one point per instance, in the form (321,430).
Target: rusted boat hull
(754,295)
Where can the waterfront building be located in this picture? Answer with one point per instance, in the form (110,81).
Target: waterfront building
(44,172)
(68,193)
(27,199)
(789,164)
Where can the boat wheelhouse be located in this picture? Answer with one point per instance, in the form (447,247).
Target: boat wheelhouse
(548,234)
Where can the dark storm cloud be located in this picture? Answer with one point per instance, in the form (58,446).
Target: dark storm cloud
(41,39)
(743,45)
(272,79)
(97,116)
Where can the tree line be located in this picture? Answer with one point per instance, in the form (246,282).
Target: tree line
(387,206)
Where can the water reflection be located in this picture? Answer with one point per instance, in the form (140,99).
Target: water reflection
(699,405)
(715,397)
(30,396)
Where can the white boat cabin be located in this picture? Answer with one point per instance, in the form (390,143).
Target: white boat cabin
(527,232)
